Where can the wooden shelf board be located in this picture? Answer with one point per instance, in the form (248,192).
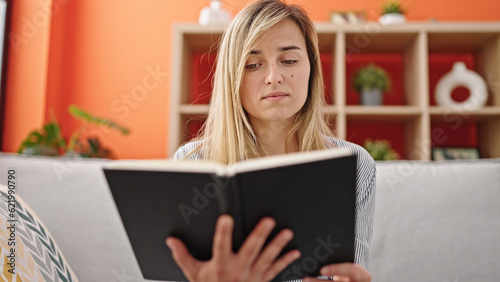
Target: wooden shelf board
(443,37)
(444,113)
(383,110)
(382,113)
(462,27)
(410,27)
(194,109)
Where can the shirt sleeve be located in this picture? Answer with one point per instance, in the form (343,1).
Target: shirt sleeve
(365,206)
(365,201)
(185,150)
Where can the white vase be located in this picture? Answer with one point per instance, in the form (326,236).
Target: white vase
(214,15)
(371,97)
(392,18)
(461,76)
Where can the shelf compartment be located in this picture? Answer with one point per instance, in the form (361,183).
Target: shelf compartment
(460,42)
(442,63)
(400,53)
(479,49)
(458,135)
(196,50)
(192,123)
(378,41)
(202,70)
(200,38)
(391,63)
(444,114)
(394,132)
(382,113)
(403,132)
(474,129)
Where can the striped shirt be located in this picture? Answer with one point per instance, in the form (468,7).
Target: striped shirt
(365,193)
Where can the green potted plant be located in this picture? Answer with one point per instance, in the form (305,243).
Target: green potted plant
(392,13)
(371,82)
(380,150)
(49,141)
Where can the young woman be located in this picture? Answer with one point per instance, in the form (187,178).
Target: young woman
(267,99)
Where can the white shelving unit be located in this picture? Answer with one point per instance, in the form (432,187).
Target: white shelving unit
(413,41)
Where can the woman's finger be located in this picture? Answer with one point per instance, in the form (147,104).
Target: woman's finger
(188,264)
(272,250)
(354,272)
(222,246)
(253,244)
(280,264)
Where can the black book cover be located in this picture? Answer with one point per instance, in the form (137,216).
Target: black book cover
(313,194)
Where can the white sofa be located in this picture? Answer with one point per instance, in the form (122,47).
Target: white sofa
(434,221)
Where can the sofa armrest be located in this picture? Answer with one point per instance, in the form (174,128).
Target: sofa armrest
(72,198)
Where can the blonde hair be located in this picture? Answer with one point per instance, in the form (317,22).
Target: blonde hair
(227,135)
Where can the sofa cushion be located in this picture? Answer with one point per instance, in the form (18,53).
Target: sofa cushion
(27,250)
(437,221)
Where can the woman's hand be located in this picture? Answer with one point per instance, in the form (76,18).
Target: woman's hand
(249,264)
(345,272)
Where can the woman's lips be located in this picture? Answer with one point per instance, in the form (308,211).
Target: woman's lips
(275,96)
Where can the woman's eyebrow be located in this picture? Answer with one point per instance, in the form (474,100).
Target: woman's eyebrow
(288,48)
(280,49)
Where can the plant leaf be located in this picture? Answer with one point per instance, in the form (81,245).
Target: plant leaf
(81,114)
(42,142)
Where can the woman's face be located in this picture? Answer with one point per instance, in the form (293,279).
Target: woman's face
(276,75)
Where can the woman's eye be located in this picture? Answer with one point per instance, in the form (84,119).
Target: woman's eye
(251,66)
(289,62)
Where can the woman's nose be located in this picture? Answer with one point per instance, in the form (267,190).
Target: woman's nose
(273,75)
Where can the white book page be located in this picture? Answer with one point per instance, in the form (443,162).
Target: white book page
(223,170)
(287,159)
(168,165)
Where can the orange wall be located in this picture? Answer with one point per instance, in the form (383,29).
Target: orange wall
(27,71)
(113,58)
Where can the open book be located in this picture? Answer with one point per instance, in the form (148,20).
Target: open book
(311,193)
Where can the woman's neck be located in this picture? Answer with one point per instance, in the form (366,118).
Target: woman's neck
(273,136)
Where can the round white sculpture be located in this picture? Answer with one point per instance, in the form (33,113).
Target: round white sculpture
(461,76)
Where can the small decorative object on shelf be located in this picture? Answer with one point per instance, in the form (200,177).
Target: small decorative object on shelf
(461,76)
(442,154)
(214,15)
(49,141)
(371,82)
(392,14)
(351,17)
(380,150)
